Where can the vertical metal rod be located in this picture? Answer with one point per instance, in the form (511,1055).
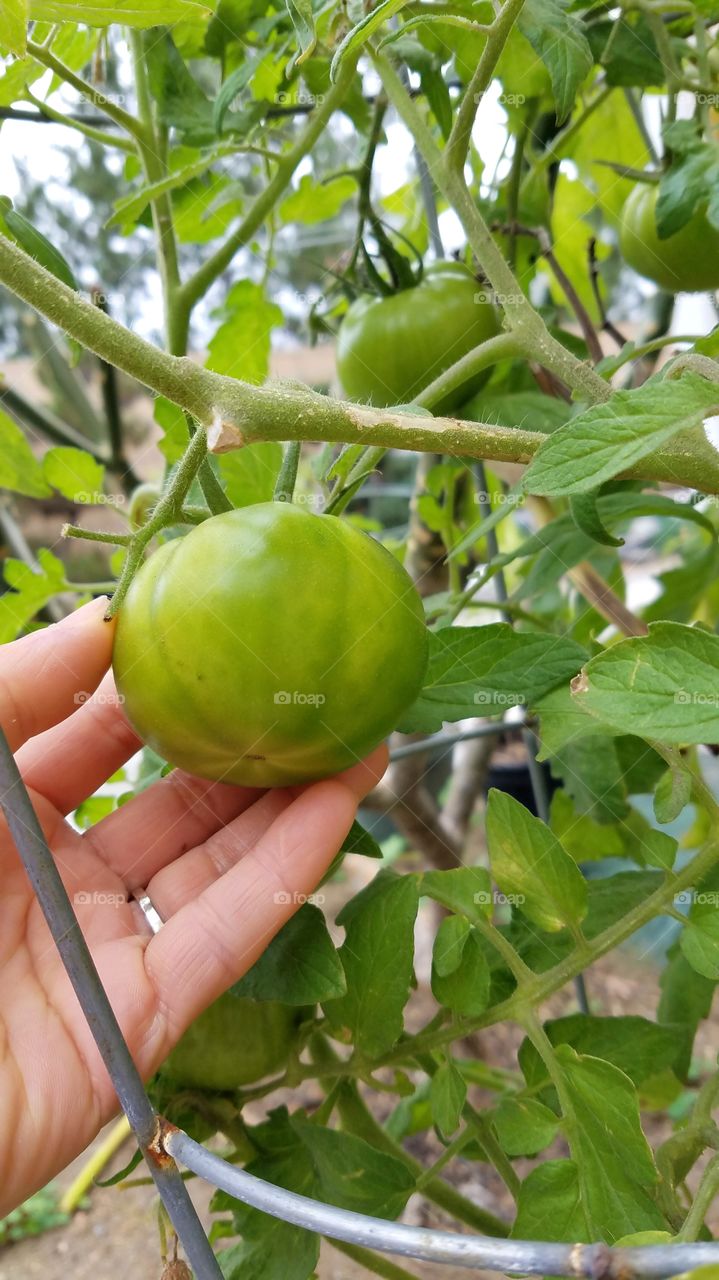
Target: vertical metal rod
(75,954)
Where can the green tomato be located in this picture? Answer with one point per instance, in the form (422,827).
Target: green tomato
(686,262)
(234,1042)
(388,349)
(269,646)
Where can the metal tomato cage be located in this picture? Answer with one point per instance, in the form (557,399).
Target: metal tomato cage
(165,1147)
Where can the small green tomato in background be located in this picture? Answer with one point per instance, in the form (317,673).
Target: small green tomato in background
(388,349)
(270,646)
(233,1043)
(686,262)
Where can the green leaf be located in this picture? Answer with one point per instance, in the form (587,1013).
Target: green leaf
(30,591)
(20,470)
(364,29)
(232,87)
(524,1127)
(303,21)
(633,1045)
(377,958)
(13,24)
(447,1096)
(176,435)
(686,1000)
(360,841)
(241,346)
(530,865)
(317,201)
(180,100)
(559,40)
(684,187)
(449,943)
(75,473)
(673,793)
(612,437)
(530,410)
(249,474)
(35,243)
(102,13)
(300,965)
(464,987)
(662,686)
(615,1164)
(626,48)
(550,1205)
(585,515)
(466,890)
(353,1174)
(484,670)
(129,208)
(699,939)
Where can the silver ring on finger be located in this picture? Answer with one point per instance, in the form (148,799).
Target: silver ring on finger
(149,911)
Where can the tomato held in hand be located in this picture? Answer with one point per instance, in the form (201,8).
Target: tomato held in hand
(270,646)
(389,349)
(233,1043)
(687,261)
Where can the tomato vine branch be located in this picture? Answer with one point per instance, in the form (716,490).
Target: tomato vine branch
(238,413)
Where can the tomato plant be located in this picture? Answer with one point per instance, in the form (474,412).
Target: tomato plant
(343,387)
(389,348)
(269,702)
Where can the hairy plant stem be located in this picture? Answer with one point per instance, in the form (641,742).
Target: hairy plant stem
(167,511)
(241,413)
(461,133)
(520,315)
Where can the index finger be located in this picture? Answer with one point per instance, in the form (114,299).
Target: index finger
(45,676)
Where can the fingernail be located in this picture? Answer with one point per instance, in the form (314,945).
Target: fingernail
(86,613)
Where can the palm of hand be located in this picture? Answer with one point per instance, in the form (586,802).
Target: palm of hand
(219,863)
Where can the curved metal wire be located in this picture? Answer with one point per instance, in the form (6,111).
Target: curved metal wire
(514,1257)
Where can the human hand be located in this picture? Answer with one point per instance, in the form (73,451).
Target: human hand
(225,867)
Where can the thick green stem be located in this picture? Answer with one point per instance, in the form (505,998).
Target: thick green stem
(459,138)
(240,413)
(521,315)
(212,491)
(198,284)
(168,510)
